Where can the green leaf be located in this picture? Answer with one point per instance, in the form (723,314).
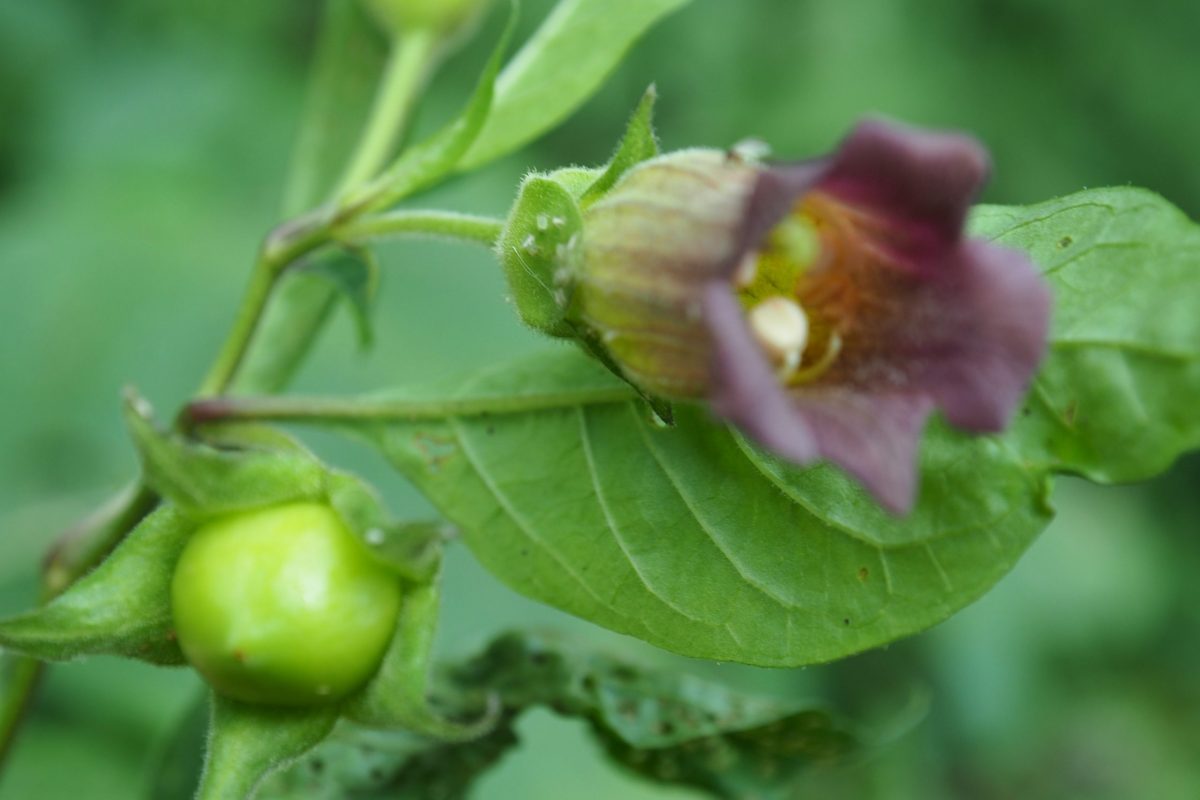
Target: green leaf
(399,695)
(372,765)
(203,480)
(247,743)
(560,67)
(426,163)
(1116,399)
(122,608)
(638,145)
(676,536)
(670,727)
(354,272)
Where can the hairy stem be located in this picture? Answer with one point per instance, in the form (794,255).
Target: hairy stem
(441,224)
(317,409)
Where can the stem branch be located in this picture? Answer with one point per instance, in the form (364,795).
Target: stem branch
(318,409)
(443,224)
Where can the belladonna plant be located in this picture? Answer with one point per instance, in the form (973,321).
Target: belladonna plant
(825,307)
(737,321)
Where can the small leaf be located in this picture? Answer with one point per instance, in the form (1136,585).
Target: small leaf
(247,743)
(560,67)
(1116,399)
(398,695)
(638,145)
(354,272)
(122,608)
(426,163)
(203,481)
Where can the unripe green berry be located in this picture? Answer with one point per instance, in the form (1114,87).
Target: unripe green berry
(283,606)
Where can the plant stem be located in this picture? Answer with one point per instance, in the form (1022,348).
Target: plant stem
(288,243)
(441,224)
(19,684)
(317,409)
(409,63)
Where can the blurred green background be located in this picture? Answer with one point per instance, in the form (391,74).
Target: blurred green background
(143,147)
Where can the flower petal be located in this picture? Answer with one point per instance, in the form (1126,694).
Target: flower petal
(745,390)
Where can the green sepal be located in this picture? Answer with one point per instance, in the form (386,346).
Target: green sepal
(413,550)
(542,235)
(204,480)
(247,743)
(637,145)
(122,608)
(398,696)
(354,272)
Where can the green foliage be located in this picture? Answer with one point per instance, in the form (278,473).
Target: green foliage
(545,226)
(398,696)
(675,536)
(637,145)
(246,743)
(693,540)
(204,481)
(562,65)
(428,162)
(668,727)
(1117,398)
(354,273)
(122,608)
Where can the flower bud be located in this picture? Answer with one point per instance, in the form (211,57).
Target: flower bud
(825,308)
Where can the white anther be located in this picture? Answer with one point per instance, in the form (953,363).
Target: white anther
(558,222)
(781,327)
(573,242)
(560,251)
(529,245)
(543,222)
(747,271)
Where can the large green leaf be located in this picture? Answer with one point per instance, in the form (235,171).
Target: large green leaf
(675,536)
(560,67)
(692,539)
(1119,398)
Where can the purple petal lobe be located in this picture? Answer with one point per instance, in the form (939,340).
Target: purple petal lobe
(745,390)
(924,180)
(874,437)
